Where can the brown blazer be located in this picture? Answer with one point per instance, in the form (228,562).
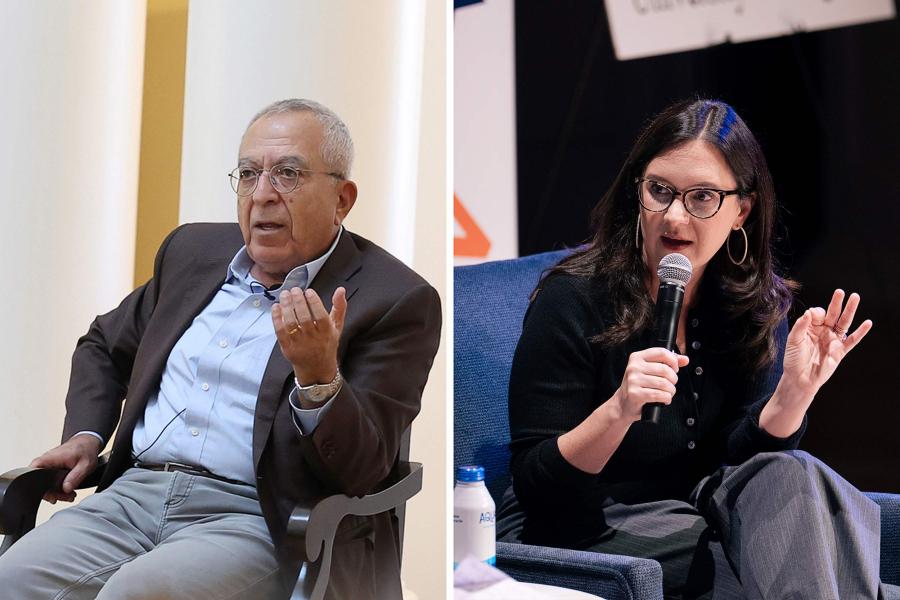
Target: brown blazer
(391,334)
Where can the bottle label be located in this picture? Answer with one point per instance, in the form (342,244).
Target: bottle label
(486,519)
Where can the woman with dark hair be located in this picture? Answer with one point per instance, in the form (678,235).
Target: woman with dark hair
(716,490)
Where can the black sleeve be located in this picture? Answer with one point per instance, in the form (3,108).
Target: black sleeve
(552,390)
(744,436)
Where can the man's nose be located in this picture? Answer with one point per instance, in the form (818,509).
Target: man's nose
(264,191)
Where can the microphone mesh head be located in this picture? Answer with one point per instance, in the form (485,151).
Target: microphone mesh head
(675,268)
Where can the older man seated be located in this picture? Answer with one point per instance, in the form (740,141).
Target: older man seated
(264,362)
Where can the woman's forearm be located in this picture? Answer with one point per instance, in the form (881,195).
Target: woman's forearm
(589,445)
(783,414)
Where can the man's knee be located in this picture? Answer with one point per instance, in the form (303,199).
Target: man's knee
(134,583)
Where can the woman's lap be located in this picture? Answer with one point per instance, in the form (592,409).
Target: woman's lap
(785,520)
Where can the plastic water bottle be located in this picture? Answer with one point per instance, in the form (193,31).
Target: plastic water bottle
(474,526)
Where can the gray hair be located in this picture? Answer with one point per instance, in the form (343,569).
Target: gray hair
(337,145)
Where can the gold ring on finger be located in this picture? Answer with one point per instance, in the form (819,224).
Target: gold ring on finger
(293,331)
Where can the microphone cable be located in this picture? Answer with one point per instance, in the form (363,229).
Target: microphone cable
(136,457)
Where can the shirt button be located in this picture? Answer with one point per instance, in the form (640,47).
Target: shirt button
(205,387)
(691,445)
(223,343)
(696,395)
(195,432)
(699,370)
(695,345)
(256,303)
(690,422)
(695,322)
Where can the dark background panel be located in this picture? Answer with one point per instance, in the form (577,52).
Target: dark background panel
(826,109)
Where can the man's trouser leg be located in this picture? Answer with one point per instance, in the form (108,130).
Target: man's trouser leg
(150,535)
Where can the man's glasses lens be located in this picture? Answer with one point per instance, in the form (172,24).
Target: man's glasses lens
(283,178)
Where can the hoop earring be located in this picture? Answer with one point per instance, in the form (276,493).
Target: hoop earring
(637,233)
(746,247)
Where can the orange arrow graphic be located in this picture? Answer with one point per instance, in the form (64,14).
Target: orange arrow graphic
(474,243)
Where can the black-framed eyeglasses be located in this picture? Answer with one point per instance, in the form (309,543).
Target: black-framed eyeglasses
(284,178)
(700,202)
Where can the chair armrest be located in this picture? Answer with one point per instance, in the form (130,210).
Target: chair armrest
(890,535)
(21,491)
(315,525)
(610,576)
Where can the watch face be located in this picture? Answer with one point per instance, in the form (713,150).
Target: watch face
(322,391)
(319,394)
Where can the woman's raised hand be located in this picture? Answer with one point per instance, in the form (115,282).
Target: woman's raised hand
(818,342)
(650,376)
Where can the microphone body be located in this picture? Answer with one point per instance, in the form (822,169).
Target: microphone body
(674,273)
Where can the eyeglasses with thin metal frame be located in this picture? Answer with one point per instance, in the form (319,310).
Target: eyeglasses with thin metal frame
(284,178)
(700,202)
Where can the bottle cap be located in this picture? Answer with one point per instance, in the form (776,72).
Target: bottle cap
(469,473)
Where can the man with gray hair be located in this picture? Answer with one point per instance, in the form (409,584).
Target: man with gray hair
(266,361)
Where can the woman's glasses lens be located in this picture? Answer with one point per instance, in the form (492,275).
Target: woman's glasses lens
(657,197)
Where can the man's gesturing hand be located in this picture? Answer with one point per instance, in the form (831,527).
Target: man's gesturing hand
(308,335)
(79,455)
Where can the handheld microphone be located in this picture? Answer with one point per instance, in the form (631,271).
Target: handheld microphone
(674,273)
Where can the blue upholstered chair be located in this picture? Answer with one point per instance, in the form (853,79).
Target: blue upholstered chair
(489,303)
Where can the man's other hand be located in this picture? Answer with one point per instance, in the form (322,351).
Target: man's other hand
(79,455)
(308,334)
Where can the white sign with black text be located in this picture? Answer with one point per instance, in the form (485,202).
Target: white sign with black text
(643,28)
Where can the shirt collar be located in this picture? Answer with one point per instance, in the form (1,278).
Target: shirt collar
(300,276)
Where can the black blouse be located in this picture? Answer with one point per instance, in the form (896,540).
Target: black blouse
(559,376)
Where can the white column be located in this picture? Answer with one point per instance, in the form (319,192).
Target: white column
(365,61)
(70,120)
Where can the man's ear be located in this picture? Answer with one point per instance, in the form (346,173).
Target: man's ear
(347,191)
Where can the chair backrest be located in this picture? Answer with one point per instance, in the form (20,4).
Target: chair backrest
(489,302)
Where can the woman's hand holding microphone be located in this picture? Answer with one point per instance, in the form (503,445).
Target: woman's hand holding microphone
(651,376)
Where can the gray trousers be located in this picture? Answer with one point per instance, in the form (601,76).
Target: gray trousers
(780,526)
(149,536)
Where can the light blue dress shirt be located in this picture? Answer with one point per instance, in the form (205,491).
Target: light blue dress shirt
(203,412)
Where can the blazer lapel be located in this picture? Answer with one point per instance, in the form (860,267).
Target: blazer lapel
(337,271)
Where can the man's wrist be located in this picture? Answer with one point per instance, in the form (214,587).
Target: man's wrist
(90,435)
(307,377)
(317,393)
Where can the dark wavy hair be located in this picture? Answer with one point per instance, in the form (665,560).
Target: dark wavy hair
(754,299)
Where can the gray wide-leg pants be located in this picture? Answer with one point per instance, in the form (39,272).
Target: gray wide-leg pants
(782,525)
(149,536)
